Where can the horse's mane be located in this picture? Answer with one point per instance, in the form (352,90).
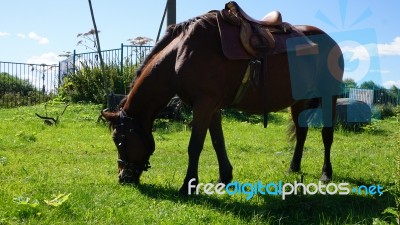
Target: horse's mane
(174,31)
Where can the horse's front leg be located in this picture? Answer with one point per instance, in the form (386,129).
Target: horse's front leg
(200,124)
(217,137)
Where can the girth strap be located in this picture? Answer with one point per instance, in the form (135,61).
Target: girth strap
(252,75)
(265,89)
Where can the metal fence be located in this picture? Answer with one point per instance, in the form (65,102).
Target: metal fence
(27,84)
(381,96)
(127,57)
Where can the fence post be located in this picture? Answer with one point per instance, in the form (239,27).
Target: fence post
(122,69)
(59,75)
(73,62)
(122,60)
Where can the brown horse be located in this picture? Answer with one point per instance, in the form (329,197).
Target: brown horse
(189,62)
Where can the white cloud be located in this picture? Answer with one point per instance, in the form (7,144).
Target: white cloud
(49,58)
(23,36)
(364,52)
(3,34)
(359,51)
(380,71)
(392,48)
(390,83)
(41,40)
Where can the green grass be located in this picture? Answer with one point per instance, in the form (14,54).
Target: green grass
(77,157)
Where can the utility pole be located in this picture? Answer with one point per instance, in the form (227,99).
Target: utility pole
(171,9)
(99,48)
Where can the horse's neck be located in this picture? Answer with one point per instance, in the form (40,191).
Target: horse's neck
(151,92)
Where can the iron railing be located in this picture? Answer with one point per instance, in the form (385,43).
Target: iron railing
(27,84)
(127,57)
(381,96)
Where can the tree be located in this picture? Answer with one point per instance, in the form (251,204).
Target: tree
(349,83)
(394,92)
(370,85)
(11,84)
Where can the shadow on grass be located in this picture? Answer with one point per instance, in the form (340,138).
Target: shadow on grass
(300,209)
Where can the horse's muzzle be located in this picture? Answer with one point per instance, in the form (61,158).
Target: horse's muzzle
(129,176)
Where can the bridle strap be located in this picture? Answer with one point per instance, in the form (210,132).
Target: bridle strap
(130,125)
(134,166)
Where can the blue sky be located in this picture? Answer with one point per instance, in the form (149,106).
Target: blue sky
(37,31)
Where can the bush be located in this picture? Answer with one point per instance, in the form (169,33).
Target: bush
(87,84)
(384,111)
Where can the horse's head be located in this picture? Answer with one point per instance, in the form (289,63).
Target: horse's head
(134,146)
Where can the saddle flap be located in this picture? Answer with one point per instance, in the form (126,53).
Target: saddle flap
(230,39)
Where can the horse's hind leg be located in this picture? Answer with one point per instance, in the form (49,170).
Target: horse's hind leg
(327,137)
(217,137)
(301,135)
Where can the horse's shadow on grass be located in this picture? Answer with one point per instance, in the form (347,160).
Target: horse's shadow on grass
(299,209)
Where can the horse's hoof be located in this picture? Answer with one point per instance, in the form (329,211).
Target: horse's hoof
(294,167)
(325,178)
(183,191)
(189,187)
(293,170)
(326,173)
(224,181)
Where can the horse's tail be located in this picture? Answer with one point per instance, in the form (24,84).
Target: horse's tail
(299,107)
(291,131)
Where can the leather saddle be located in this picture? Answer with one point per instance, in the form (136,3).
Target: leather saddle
(244,37)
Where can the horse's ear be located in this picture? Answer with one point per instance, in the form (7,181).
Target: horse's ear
(110,116)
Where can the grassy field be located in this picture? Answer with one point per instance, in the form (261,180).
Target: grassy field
(67,174)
